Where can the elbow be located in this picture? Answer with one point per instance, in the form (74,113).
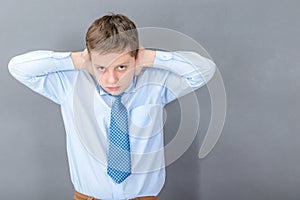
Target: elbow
(211,70)
(15,68)
(204,66)
(12,65)
(204,76)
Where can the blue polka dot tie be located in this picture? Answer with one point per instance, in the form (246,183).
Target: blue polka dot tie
(118,161)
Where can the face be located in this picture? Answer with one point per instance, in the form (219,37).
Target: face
(113,71)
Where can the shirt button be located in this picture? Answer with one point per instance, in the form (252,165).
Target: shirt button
(166,56)
(61,55)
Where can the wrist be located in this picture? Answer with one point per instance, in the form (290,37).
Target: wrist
(78,59)
(146,58)
(150,57)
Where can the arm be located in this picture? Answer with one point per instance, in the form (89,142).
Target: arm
(184,71)
(45,72)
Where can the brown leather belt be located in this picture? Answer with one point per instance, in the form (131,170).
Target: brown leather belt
(79,196)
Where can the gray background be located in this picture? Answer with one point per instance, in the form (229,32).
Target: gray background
(255,45)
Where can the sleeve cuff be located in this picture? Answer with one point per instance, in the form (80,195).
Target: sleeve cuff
(175,62)
(163,59)
(63,61)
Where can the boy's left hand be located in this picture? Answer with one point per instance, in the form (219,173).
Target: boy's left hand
(145,58)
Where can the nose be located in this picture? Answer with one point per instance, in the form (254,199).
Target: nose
(112,77)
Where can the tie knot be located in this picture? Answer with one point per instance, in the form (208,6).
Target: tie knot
(118,99)
(117,105)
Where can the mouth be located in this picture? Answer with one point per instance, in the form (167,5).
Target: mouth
(113,88)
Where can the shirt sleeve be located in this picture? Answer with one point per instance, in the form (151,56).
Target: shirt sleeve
(45,72)
(186,72)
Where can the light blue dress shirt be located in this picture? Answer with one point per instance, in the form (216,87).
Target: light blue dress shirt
(85,108)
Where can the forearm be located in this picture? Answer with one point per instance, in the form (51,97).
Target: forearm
(196,69)
(39,63)
(45,72)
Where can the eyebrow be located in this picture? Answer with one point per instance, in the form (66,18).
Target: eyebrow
(124,63)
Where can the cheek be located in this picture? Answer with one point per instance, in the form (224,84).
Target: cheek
(99,76)
(127,76)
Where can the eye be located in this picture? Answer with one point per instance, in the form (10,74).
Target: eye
(122,67)
(101,69)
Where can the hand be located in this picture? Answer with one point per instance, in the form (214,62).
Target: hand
(145,58)
(87,63)
(82,61)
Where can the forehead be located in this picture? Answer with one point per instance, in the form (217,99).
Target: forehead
(109,59)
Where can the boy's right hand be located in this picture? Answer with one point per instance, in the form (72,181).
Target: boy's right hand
(82,61)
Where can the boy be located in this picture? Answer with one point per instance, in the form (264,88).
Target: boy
(107,94)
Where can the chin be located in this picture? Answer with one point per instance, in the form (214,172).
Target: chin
(115,93)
